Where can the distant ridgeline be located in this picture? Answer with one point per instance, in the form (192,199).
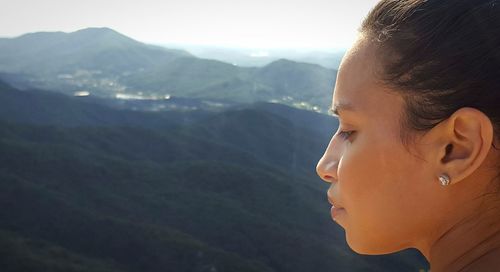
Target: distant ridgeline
(102,62)
(87,187)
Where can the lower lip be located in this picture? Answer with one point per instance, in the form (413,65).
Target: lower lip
(337,212)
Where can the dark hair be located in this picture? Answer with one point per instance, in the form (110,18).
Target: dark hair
(442,55)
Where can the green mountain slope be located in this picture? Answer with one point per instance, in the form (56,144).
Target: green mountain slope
(101,50)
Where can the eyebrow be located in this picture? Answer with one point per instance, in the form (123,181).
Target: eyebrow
(337,108)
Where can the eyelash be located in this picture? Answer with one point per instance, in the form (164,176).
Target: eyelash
(345,135)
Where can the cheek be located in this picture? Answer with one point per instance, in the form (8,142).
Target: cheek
(376,185)
(365,174)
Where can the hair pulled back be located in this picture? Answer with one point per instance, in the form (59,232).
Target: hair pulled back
(441,55)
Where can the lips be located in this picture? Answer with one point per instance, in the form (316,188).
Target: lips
(336,211)
(331,200)
(333,203)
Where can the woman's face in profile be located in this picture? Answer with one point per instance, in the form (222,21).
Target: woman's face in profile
(385,189)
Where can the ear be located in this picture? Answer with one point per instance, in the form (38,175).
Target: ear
(460,143)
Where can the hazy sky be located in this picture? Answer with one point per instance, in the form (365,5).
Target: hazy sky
(238,23)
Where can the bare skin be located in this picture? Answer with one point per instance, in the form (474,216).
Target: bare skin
(390,193)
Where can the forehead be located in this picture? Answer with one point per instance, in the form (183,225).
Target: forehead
(356,73)
(357,83)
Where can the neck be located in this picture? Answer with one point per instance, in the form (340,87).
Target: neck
(471,244)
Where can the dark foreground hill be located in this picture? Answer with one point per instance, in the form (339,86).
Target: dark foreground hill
(228,191)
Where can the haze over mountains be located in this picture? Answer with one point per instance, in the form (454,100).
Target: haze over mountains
(105,63)
(257,57)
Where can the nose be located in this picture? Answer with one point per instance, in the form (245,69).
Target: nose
(327,169)
(328,164)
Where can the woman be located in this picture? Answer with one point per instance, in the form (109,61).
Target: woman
(414,162)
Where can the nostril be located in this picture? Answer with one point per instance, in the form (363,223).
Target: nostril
(328,178)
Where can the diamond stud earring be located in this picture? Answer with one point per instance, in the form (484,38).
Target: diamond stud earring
(444,179)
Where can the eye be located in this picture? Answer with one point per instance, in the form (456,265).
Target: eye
(345,135)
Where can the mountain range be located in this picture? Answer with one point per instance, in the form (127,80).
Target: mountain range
(105,63)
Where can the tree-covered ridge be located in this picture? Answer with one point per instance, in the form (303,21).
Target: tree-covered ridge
(230,191)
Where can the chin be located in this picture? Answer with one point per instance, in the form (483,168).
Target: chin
(367,247)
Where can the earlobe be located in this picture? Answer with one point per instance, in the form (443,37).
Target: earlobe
(467,138)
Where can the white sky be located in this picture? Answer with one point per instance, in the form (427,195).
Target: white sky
(233,23)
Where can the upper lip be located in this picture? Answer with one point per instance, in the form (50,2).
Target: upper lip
(330,195)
